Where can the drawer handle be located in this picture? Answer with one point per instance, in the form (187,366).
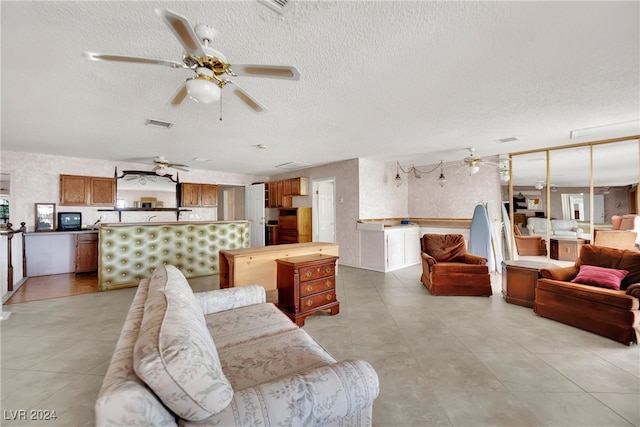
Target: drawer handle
(309,303)
(309,288)
(329,297)
(327,283)
(308,273)
(327,269)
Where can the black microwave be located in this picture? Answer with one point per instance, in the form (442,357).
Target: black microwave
(69,221)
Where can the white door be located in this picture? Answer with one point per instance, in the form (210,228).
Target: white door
(598,209)
(324,211)
(254,211)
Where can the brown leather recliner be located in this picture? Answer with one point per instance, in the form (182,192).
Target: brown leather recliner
(529,245)
(448,269)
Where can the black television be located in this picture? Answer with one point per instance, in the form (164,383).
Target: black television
(69,221)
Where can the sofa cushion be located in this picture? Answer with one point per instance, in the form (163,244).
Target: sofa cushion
(599,256)
(592,294)
(599,276)
(244,324)
(270,358)
(621,259)
(445,247)
(175,354)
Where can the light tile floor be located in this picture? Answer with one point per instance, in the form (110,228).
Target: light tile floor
(450,361)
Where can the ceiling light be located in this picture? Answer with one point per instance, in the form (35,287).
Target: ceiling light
(203,90)
(504,175)
(539,185)
(473,169)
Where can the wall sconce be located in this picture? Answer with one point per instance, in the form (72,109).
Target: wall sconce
(417,173)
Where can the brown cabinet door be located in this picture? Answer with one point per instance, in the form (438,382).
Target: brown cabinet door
(286,184)
(273,197)
(86,252)
(103,191)
(74,190)
(295,186)
(209,195)
(279,193)
(190,194)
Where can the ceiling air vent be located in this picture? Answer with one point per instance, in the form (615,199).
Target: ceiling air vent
(509,139)
(293,165)
(277,5)
(158,123)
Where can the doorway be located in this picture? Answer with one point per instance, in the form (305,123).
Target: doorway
(324,210)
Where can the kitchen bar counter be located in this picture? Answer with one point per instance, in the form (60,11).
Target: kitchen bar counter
(52,252)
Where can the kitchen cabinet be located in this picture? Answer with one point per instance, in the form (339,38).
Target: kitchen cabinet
(198,195)
(102,191)
(294,225)
(78,190)
(388,248)
(86,252)
(280,193)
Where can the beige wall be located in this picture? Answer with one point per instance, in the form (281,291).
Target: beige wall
(347,187)
(460,195)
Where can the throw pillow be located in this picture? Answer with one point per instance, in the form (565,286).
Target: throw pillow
(599,276)
(175,354)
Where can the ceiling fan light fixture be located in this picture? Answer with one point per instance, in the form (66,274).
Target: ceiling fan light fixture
(203,90)
(539,185)
(474,169)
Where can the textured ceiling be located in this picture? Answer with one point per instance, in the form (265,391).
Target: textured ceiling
(412,81)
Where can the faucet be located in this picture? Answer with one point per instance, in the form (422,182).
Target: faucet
(152,216)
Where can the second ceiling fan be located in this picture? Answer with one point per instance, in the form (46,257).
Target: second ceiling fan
(210,65)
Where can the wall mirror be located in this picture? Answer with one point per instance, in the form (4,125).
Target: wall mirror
(146,190)
(586,183)
(45,217)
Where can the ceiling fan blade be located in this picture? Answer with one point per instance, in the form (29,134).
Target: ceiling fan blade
(183,31)
(180,95)
(183,168)
(286,72)
(247,99)
(134,59)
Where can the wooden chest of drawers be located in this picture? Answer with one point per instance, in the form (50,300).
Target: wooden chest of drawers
(307,284)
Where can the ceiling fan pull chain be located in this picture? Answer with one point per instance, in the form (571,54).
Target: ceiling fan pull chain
(221,106)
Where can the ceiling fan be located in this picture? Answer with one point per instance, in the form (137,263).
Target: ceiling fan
(161,164)
(471,163)
(210,65)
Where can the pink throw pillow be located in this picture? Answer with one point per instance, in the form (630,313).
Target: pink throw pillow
(599,276)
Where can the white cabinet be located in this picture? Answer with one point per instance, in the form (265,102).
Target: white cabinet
(388,248)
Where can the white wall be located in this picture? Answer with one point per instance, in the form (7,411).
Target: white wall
(35,178)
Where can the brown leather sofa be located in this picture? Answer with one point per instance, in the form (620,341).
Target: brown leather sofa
(611,313)
(447,268)
(529,245)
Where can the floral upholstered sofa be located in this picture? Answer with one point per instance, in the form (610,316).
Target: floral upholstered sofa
(225,358)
